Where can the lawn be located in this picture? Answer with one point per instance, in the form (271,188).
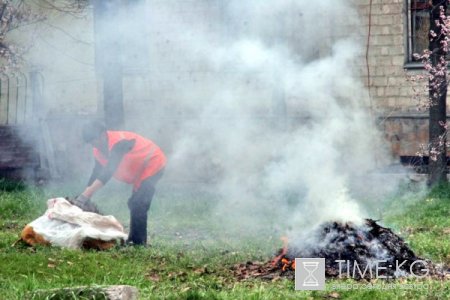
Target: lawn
(192,250)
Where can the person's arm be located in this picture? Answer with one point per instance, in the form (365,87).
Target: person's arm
(101,175)
(93,184)
(92,189)
(95,173)
(82,200)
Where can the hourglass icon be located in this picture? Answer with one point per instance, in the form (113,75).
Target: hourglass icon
(310,274)
(310,267)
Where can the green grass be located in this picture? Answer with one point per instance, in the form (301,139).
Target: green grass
(193,249)
(426,225)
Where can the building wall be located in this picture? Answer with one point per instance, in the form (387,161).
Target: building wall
(155,90)
(63,49)
(386,73)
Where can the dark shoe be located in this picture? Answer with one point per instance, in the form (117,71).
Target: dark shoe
(130,243)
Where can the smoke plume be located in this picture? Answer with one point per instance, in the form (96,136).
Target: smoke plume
(261,101)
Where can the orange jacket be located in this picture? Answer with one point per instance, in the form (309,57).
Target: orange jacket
(145,159)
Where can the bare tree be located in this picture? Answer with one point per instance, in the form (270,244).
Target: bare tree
(13,14)
(108,59)
(19,13)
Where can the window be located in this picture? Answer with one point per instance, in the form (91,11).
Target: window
(418,27)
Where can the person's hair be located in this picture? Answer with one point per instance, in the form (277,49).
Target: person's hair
(92,130)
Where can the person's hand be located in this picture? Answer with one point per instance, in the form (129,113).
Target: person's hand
(85,204)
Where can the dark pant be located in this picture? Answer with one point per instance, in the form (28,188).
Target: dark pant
(139,204)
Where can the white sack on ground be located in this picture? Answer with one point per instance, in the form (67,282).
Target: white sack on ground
(66,225)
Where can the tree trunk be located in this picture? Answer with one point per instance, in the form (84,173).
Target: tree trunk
(108,59)
(437,95)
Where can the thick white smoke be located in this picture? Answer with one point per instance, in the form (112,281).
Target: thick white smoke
(281,114)
(261,100)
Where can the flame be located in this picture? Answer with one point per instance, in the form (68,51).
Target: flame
(286,263)
(283,251)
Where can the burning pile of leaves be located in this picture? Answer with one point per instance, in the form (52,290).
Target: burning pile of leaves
(348,249)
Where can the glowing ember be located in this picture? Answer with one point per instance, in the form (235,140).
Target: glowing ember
(287,264)
(281,260)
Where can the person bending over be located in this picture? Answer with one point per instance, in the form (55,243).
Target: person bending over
(130,158)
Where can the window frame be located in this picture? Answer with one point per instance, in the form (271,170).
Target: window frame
(409,62)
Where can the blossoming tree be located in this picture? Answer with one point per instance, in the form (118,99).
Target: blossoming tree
(436,66)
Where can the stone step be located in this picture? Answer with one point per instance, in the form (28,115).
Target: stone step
(18,148)
(112,292)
